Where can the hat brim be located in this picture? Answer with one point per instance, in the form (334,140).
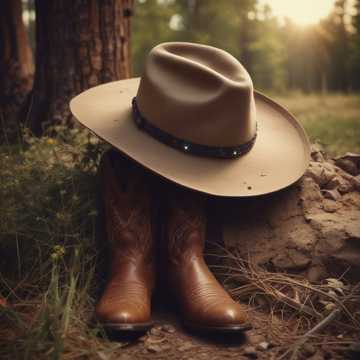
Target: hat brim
(279,157)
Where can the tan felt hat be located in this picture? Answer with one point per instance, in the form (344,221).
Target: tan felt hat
(194,118)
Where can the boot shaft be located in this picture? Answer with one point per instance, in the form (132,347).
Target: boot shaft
(129,210)
(185,229)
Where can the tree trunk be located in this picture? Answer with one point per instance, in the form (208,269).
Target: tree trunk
(79,44)
(16,66)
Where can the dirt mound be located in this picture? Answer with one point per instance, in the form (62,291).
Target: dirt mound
(312,227)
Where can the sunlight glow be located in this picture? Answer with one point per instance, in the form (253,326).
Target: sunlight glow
(302,12)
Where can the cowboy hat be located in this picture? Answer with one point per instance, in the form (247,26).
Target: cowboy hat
(195,119)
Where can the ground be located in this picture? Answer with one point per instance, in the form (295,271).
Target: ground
(49,269)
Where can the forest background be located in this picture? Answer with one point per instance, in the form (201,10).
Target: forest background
(314,70)
(279,53)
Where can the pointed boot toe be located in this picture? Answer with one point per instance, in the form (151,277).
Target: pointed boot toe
(234,314)
(124,319)
(228,316)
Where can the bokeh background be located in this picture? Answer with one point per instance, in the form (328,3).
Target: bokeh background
(305,53)
(280,53)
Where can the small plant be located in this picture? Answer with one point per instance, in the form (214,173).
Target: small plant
(47,232)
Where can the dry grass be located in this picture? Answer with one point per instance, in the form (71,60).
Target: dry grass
(307,312)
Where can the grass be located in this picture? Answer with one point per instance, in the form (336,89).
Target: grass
(49,259)
(332,120)
(47,231)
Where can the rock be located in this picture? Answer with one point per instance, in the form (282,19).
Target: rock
(345,186)
(291,259)
(263,346)
(156,330)
(317,152)
(330,206)
(331,194)
(348,166)
(318,156)
(333,183)
(165,347)
(186,346)
(339,183)
(349,162)
(321,173)
(250,352)
(154,348)
(168,328)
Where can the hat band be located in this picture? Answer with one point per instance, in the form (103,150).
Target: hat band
(227,152)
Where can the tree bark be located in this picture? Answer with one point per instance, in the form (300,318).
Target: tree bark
(79,44)
(16,65)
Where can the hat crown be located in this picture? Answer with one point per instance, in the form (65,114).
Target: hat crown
(198,93)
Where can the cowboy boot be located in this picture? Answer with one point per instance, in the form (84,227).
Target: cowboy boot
(127,203)
(204,303)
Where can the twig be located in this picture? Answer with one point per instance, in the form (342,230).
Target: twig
(318,327)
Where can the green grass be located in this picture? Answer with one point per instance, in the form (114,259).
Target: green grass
(47,242)
(47,231)
(331,120)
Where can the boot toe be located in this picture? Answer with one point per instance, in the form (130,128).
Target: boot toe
(125,317)
(233,315)
(230,317)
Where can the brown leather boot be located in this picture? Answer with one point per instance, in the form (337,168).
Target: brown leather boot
(128,211)
(204,303)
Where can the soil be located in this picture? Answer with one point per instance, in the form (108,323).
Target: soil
(169,340)
(311,228)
